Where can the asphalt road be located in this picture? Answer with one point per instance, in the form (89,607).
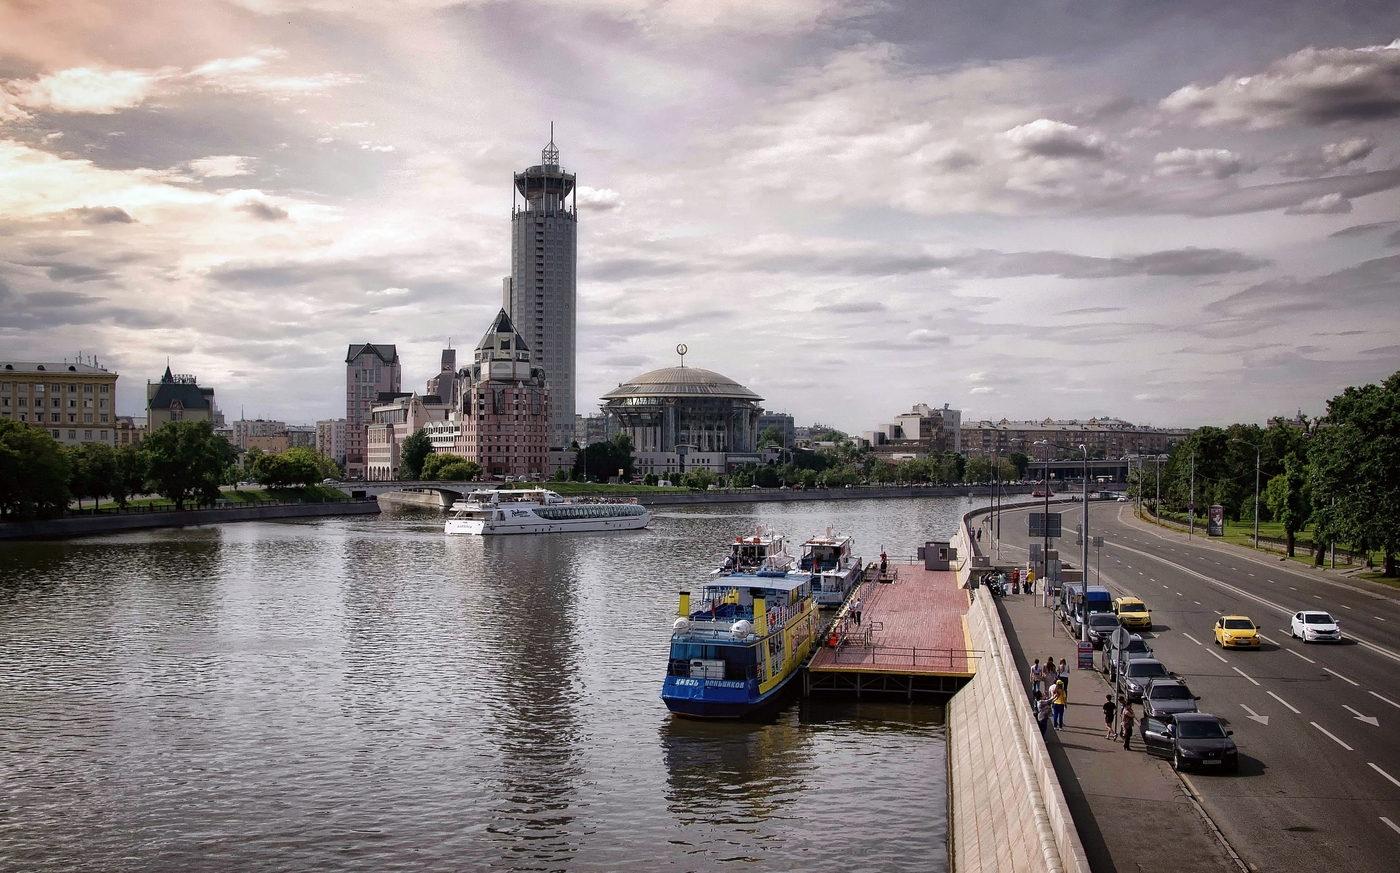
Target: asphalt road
(1318,725)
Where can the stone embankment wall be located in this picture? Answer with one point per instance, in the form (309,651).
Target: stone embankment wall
(1006,807)
(429,499)
(89,525)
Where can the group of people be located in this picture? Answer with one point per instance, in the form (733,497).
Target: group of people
(1119,719)
(1049,693)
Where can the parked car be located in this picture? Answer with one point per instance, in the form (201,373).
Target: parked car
(1167,697)
(1316,627)
(1141,671)
(1192,739)
(1123,500)
(1039,494)
(1237,632)
(1101,626)
(1118,656)
(1133,613)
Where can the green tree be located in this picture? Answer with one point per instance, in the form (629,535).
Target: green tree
(1288,499)
(131,468)
(415,450)
(1021,461)
(186,461)
(34,473)
(1355,469)
(771,436)
(602,460)
(450,468)
(294,467)
(93,467)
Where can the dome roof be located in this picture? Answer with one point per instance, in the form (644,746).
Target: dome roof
(682,382)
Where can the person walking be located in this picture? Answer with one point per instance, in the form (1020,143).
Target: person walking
(1062,673)
(1128,717)
(1110,709)
(856,608)
(1061,699)
(1030,581)
(1037,675)
(1043,708)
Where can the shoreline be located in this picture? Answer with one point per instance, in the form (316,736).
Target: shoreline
(96,525)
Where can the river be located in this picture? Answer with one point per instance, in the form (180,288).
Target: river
(365,693)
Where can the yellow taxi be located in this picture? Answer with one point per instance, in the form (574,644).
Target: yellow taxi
(1236,632)
(1132,613)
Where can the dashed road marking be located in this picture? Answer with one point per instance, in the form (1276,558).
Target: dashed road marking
(1291,588)
(1393,826)
(1197,602)
(1251,574)
(1388,776)
(1386,699)
(1241,672)
(1341,677)
(1333,736)
(1267,640)
(1296,711)
(1193,639)
(1377,618)
(1317,597)
(1296,655)
(1223,661)
(1344,606)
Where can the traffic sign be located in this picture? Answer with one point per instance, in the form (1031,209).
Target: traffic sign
(1037,523)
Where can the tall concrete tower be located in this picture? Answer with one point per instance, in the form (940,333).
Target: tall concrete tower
(542,290)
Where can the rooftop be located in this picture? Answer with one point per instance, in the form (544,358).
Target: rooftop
(681,382)
(50,367)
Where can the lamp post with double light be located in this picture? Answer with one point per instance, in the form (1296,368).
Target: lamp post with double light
(1256,486)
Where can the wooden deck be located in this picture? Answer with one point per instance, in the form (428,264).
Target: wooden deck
(912,637)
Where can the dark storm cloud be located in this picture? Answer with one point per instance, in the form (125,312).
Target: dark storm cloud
(41,310)
(102,215)
(262,210)
(1374,283)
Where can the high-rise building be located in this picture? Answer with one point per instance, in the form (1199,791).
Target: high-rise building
(75,403)
(330,439)
(543,286)
(370,370)
(444,384)
(504,406)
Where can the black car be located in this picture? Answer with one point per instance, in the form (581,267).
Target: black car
(1192,739)
(1167,697)
(1101,627)
(1139,672)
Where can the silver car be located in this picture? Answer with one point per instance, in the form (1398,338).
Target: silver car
(1167,697)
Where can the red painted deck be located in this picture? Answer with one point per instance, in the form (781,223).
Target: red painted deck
(915,625)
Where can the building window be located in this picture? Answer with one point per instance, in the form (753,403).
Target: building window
(87,434)
(105,389)
(55,434)
(87,389)
(72,434)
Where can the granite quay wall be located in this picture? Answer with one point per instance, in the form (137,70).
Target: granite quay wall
(428,499)
(1007,811)
(90,525)
(769,495)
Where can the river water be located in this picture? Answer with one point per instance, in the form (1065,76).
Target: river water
(364,693)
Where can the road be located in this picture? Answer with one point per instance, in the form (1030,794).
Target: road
(1319,781)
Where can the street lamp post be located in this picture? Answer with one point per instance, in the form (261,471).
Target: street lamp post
(1256,488)
(1084,547)
(1157,507)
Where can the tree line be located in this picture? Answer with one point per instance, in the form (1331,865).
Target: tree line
(1339,473)
(183,461)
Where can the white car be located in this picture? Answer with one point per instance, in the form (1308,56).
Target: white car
(1315,627)
(1123,500)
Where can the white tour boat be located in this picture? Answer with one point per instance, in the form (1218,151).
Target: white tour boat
(833,567)
(539,510)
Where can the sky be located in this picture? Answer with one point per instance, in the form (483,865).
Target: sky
(1175,214)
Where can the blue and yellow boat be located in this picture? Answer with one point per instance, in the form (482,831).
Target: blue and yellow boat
(736,647)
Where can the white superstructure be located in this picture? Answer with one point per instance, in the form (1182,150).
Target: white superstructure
(539,510)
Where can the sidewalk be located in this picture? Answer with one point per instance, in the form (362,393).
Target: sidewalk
(1131,810)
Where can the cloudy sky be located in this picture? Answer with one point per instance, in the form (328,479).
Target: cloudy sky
(1176,214)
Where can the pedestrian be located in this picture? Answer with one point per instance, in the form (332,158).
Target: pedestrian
(1064,675)
(1036,675)
(1128,718)
(1061,699)
(855,609)
(884,563)
(1110,709)
(1030,581)
(1015,578)
(1043,712)
(979,535)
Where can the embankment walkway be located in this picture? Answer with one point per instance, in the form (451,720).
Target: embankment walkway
(106,523)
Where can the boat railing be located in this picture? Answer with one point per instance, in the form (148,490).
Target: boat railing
(681,667)
(861,649)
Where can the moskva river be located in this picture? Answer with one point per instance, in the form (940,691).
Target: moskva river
(367,694)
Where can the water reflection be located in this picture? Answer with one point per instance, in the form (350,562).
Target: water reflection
(734,773)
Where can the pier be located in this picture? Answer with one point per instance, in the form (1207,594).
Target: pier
(912,638)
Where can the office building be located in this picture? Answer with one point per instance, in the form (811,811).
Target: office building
(542,288)
(503,407)
(783,422)
(245,429)
(370,370)
(330,439)
(444,384)
(919,433)
(75,403)
(178,397)
(1104,437)
(391,423)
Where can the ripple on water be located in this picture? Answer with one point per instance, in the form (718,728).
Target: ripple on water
(367,694)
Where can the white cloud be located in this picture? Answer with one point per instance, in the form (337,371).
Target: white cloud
(1329,159)
(599,199)
(79,89)
(1314,87)
(1199,163)
(1327,204)
(221,166)
(1055,139)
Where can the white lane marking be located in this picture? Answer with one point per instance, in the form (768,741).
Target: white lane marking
(1296,655)
(1251,574)
(1344,606)
(1218,612)
(1388,776)
(1166,586)
(1197,602)
(1386,699)
(1377,618)
(1240,592)
(1254,716)
(1369,719)
(1220,659)
(1241,672)
(1178,594)
(1341,677)
(1317,597)
(1291,588)
(1393,826)
(1296,711)
(1267,640)
(1333,736)
(1194,640)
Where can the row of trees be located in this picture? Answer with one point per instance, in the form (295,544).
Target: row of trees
(1340,474)
(183,461)
(417,460)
